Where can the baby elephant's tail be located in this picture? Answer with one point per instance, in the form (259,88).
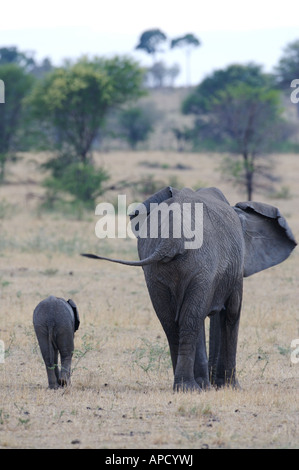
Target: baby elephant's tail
(51,345)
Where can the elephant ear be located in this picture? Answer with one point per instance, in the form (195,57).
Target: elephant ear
(158,197)
(268,237)
(213,192)
(76,313)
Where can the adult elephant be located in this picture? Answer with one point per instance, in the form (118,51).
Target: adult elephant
(188,282)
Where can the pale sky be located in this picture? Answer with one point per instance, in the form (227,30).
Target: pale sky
(230,31)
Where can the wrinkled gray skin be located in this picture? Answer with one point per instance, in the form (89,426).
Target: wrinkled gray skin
(187,285)
(55,321)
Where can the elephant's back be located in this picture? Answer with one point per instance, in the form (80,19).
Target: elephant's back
(53,311)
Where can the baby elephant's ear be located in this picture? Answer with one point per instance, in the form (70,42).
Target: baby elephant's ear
(267,235)
(76,313)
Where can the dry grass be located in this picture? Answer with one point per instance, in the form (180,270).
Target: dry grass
(121,394)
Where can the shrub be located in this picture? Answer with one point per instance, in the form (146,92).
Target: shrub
(82,181)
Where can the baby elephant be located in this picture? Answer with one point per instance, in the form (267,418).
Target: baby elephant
(55,321)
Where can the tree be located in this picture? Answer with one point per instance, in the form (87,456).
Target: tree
(173,73)
(239,107)
(150,40)
(135,125)
(125,76)
(182,136)
(40,70)
(160,73)
(288,66)
(189,41)
(75,100)
(18,84)
(199,101)
(11,55)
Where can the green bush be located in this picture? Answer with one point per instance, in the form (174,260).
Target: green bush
(135,125)
(82,181)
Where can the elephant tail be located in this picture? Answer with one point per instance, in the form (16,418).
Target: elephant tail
(51,345)
(154,258)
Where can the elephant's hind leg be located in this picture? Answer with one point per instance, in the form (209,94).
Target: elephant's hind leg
(229,325)
(65,376)
(201,374)
(65,344)
(163,305)
(214,346)
(51,363)
(191,371)
(49,354)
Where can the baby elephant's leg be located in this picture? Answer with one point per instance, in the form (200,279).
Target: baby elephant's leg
(51,362)
(66,348)
(65,376)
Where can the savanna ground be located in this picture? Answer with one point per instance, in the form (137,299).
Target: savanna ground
(121,395)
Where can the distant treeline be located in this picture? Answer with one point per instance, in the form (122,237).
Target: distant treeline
(66,110)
